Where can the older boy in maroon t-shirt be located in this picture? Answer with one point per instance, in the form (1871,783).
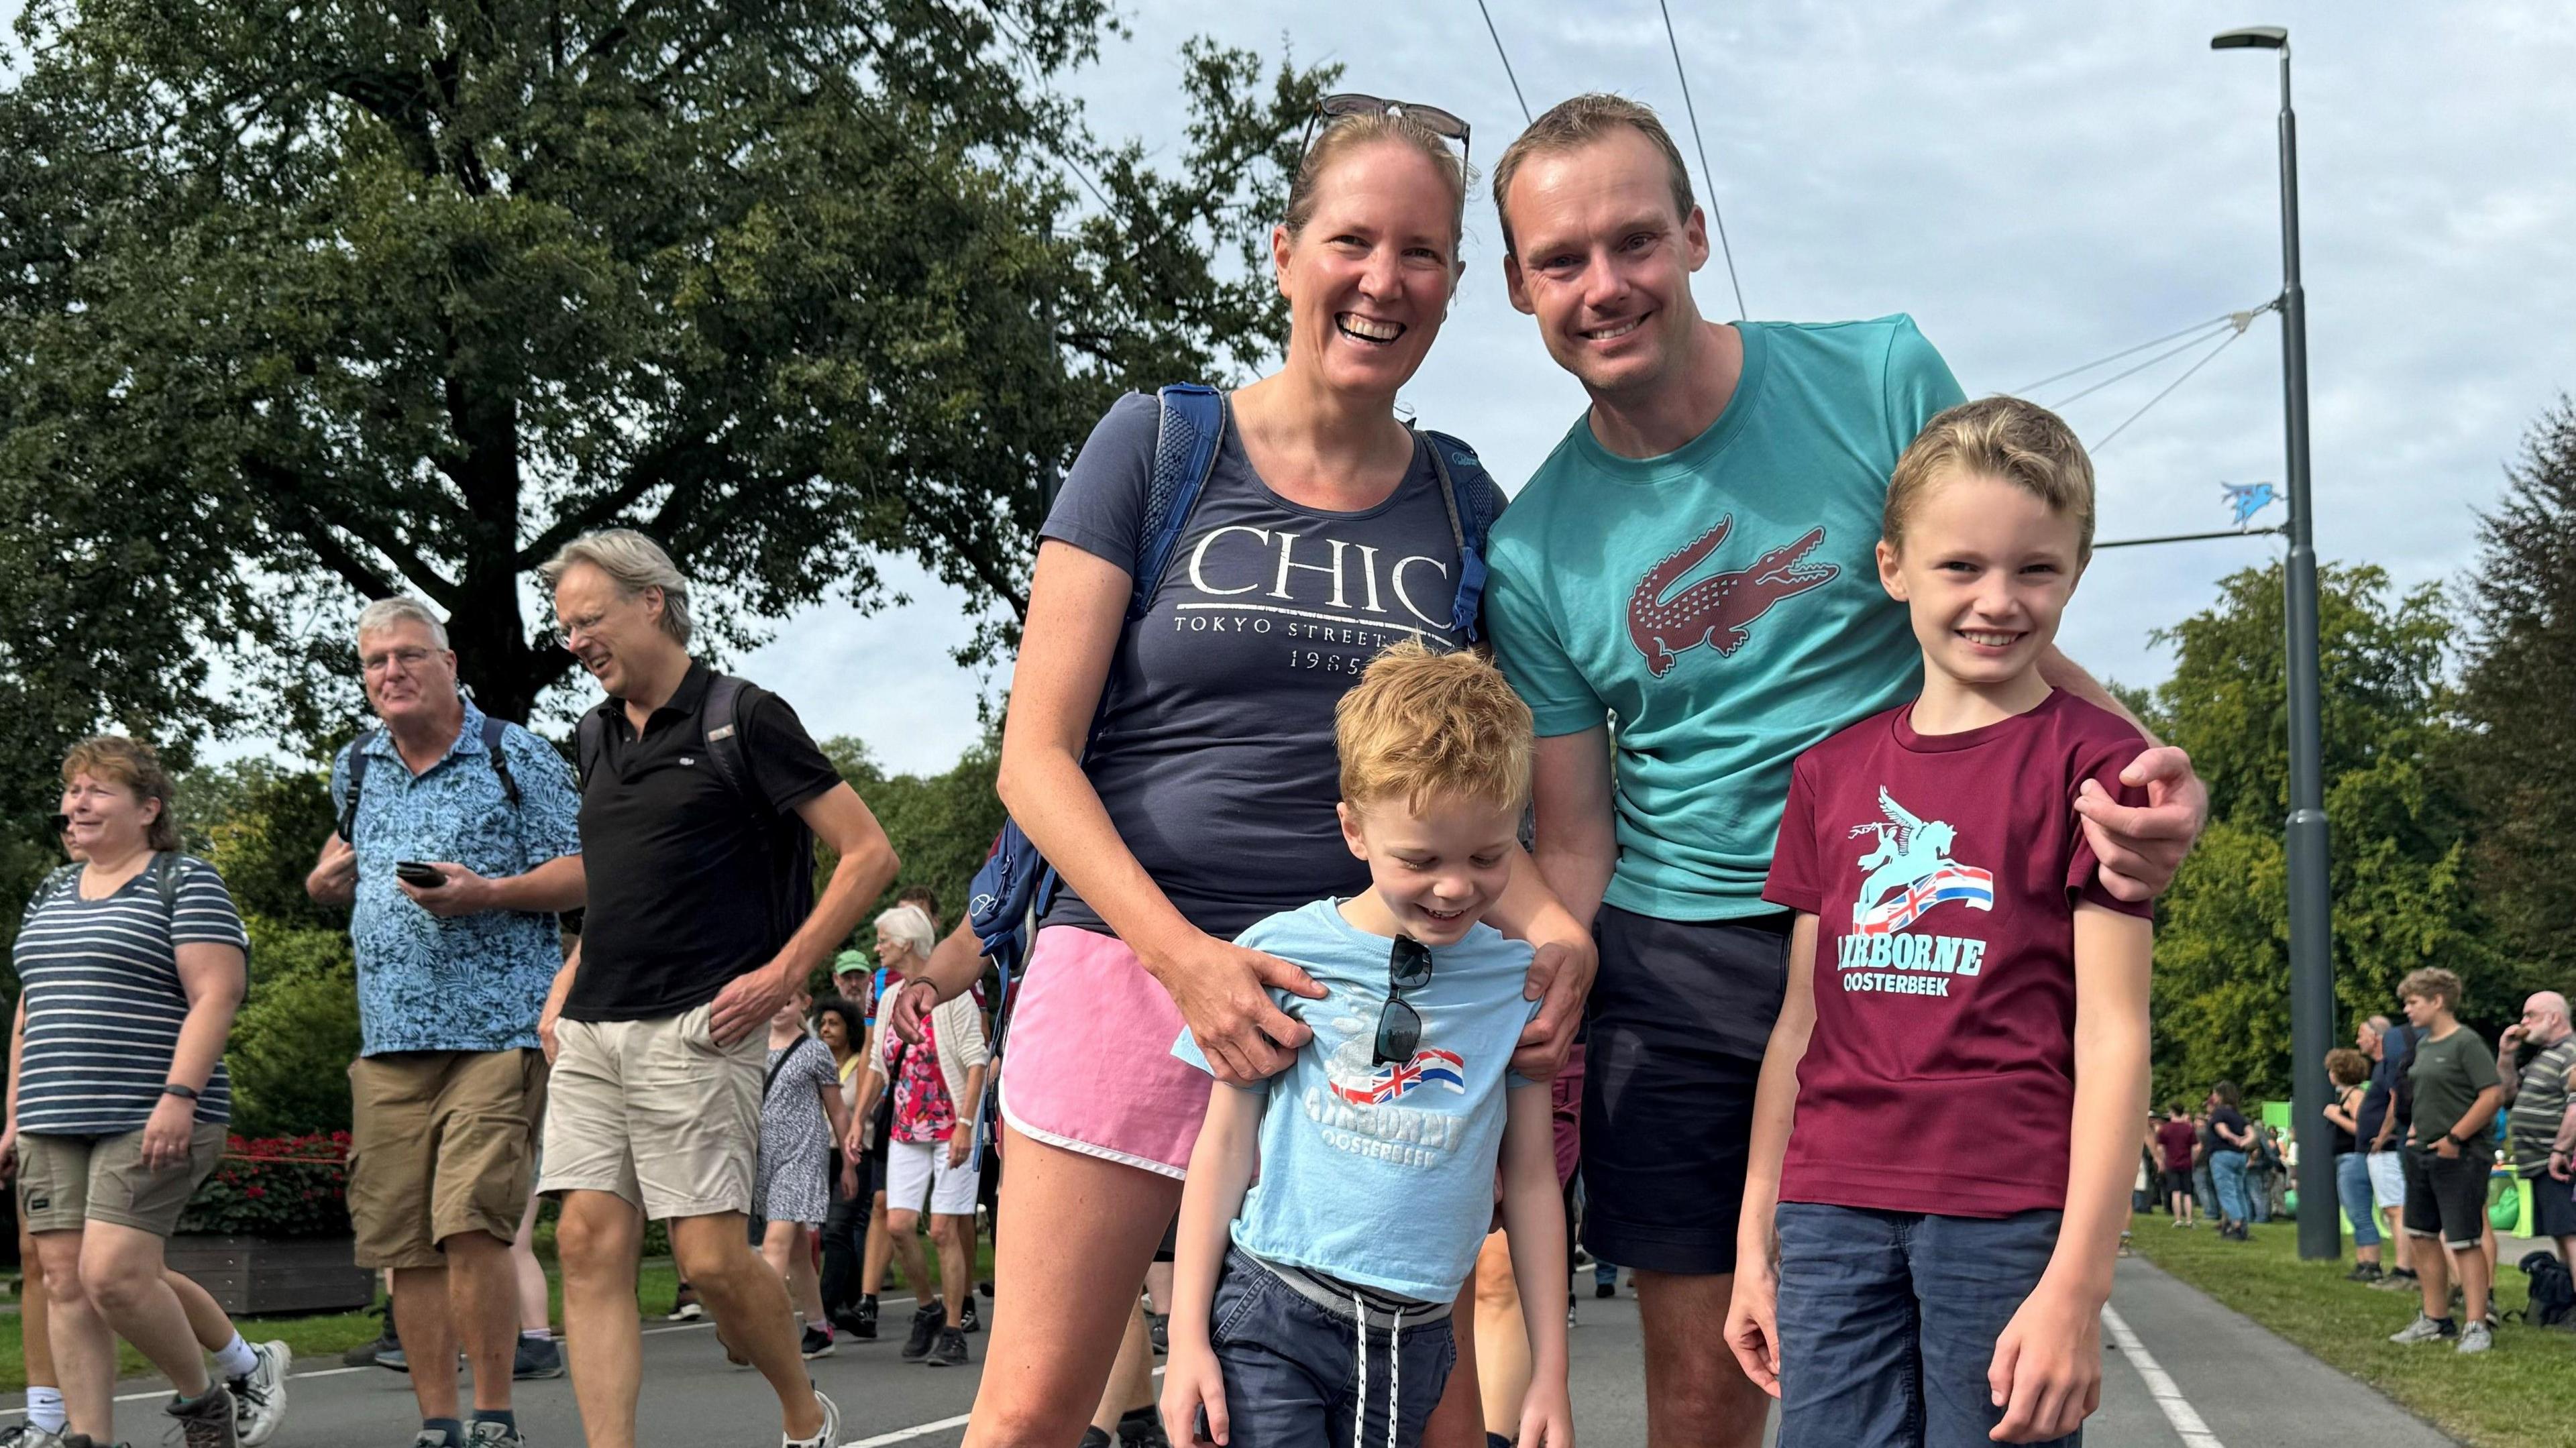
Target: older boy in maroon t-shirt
(1963,1047)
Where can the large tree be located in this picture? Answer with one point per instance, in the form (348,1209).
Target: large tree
(2396,823)
(303,304)
(2518,694)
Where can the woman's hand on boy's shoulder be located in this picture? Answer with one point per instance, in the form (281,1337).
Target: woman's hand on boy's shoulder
(2141,846)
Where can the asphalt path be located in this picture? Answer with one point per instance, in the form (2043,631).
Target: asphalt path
(2179,1371)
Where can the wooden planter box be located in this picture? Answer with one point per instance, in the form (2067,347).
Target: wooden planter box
(258,1276)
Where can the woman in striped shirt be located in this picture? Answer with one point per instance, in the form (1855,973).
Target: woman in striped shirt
(132,963)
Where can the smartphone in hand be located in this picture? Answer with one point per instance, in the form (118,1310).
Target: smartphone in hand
(416,872)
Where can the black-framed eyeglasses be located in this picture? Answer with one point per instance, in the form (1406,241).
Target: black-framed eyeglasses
(1399,1025)
(1351,103)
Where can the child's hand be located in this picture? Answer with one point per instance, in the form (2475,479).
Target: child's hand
(1192,1380)
(1752,1326)
(1547,1417)
(2047,1372)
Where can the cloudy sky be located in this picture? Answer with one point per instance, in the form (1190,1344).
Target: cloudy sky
(2039,185)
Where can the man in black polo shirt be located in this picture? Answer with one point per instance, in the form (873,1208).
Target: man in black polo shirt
(701,923)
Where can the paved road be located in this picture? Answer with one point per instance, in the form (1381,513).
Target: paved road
(2182,1372)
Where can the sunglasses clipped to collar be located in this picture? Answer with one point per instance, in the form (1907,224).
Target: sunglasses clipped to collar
(1351,103)
(1399,1025)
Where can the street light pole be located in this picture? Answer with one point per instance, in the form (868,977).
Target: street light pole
(2312,1000)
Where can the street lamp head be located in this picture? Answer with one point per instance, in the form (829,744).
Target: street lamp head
(2251,37)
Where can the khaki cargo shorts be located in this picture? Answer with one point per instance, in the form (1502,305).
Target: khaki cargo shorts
(440,1142)
(64,1181)
(656,1112)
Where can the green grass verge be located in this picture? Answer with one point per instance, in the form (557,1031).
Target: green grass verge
(2521,1395)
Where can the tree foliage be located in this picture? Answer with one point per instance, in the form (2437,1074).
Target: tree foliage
(308,303)
(2518,698)
(942,825)
(2397,822)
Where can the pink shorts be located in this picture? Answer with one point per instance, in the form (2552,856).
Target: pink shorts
(1089,1066)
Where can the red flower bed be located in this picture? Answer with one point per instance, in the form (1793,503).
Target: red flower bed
(289,1186)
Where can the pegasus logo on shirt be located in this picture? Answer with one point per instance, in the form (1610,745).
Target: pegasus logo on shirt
(1912,858)
(1719,609)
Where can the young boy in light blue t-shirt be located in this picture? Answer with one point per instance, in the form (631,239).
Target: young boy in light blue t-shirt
(1312,1307)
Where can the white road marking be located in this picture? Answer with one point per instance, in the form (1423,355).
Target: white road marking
(924,1430)
(2178,1410)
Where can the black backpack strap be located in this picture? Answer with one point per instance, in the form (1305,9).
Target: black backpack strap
(722,717)
(590,742)
(164,870)
(348,824)
(493,732)
(1469,493)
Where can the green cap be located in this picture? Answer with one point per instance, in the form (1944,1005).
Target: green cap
(848,961)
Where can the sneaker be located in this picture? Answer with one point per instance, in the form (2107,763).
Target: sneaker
(1605,1289)
(830,1437)
(684,1306)
(259,1396)
(1142,1428)
(488,1434)
(969,1320)
(952,1348)
(2363,1272)
(1582,1259)
(1158,1331)
(1569,1312)
(2476,1337)
(863,1322)
(206,1422)
(389,1354)
(985,1287)
(2425,1329)
(817,1342)
(22,1435)
(434,1438)
(927,1320)
(1097,1437)
(2401,1280)
(536,1357)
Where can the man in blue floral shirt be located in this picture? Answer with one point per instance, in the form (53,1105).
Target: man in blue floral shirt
(452,975)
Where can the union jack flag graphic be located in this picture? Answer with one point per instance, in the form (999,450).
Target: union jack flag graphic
(1965,883)
(1430,1066)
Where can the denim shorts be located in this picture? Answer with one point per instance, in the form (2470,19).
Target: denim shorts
(1888,1322)
(1293,1371)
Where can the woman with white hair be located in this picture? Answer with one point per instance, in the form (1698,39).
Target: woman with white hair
(935,1086)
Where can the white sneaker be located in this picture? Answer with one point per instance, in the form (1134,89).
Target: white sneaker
(25,1435)
(2476,1337)
(259,1396)
(2424,1329)
(830,1437)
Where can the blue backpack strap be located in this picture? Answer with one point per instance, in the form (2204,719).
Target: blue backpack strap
(1473,502)
(164,870)
(1185,444)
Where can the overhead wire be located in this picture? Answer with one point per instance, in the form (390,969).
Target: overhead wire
(1701,145)
(2197,327)
(1506,59)
(2202,335)
(2206,359)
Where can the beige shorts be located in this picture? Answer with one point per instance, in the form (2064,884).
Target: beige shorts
(656,1112)
(64,1181)
(440,1142)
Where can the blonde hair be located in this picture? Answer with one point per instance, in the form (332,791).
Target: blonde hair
(1345,135)
(634,563)
(2005,438)
(1421,725)
(2432,983)
(131,765)
(1573,124)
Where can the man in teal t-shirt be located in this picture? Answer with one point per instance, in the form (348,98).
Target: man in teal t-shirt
(1687,595)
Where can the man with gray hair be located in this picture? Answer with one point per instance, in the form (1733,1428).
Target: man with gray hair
(2533,1059)
(701,797)
(458,841)
(2379,1133)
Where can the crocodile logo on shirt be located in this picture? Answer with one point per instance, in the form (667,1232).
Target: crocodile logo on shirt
(1719,610)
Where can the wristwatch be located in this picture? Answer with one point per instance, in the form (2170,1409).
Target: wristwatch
(184,1093)
(2454,1139)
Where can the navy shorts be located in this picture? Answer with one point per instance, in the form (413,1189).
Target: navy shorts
(1679,1017)
(1294,1373)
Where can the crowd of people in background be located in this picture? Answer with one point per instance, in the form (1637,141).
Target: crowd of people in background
(1298,920)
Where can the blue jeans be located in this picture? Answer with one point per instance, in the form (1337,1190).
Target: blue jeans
(2352,1187)
(2203,1190)
(1888,1322)
(2227,1171)
(1292,1369)
(2258,1194)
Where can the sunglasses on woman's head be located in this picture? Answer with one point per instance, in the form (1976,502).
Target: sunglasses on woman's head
(1399,1026)
(1351,103)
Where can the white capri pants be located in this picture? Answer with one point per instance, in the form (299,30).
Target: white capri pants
(918,1169)
(2387,1179)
